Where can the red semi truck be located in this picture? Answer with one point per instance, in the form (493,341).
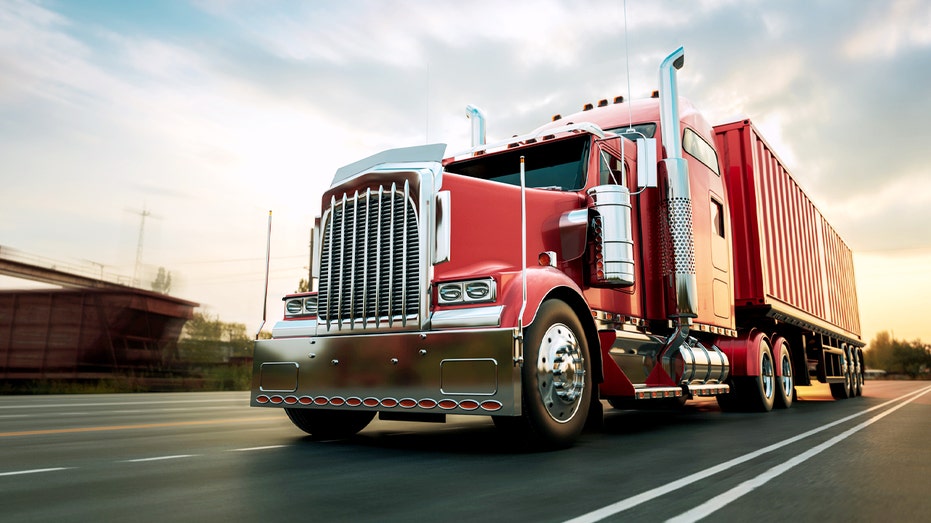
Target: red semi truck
(628,254)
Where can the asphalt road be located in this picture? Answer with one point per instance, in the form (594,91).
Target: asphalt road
(209,457)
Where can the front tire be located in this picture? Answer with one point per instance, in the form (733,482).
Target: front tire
(556,381)
(329,424)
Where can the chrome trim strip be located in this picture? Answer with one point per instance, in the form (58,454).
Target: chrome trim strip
(471,317)
(292,328)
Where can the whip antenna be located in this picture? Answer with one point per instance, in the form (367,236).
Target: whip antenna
(268,251)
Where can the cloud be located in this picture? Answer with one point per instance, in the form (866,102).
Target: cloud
(210,115)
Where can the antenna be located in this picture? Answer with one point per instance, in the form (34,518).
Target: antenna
(268,254)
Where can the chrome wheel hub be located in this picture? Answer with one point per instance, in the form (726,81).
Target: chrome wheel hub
(560,372)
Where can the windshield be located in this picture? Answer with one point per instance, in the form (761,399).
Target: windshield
(548,165)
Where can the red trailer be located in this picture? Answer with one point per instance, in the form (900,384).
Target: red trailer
(791,266)
(621,255)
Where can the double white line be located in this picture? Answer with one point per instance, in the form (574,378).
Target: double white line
(718,502)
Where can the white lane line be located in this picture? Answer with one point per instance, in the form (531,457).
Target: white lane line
(33,471)
(639,499)
(718,502)
(159,458)
(243,400)
(266,447)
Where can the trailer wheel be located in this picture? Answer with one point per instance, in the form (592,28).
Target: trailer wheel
(841,391)
(329,424)
(555,380)
(861,372)
(785,380)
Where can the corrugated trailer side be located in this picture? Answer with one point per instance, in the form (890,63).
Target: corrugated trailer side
(789,263)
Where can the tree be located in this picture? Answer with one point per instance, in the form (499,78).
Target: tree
(303,285)
(162,283)
(207,339)
(898,357)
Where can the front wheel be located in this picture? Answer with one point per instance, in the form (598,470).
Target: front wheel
(329,424)
(556,381)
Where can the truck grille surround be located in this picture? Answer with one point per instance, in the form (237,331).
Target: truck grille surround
(370,261)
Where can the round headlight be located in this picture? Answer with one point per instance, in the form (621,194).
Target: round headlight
(477,290)
(310,305)
(451,292)
(294,306)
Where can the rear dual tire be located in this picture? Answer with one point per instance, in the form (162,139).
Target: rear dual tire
(756,393)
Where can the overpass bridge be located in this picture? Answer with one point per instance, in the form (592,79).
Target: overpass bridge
(86,328)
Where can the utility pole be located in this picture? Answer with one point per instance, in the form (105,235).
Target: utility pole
(144,214)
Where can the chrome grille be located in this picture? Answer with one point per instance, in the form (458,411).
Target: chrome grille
(369,263)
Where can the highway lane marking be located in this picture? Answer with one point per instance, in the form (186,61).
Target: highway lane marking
(639,499)
(131,427)
(266,447)
(160,458)
(244,401)
(33,471)
(80,413)
(718,502)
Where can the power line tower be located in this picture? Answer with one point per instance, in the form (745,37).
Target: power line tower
(138,267)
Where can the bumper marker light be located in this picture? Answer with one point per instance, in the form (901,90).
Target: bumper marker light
(468,404)
(491,406)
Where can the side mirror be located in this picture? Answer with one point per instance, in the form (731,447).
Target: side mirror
(646,163)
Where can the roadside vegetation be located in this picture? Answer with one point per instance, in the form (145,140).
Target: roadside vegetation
(899,358)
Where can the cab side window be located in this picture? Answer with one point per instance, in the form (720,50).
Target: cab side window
(697,147)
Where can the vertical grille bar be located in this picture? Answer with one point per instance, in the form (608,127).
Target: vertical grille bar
(342,265)
(365,256)
(394,187)
(378,247)
(407,196)
(328,258)
(352,246)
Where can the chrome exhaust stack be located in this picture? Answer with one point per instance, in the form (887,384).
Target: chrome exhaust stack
(678,202)
(699,364)
(478,124)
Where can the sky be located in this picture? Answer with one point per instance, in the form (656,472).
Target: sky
(188,121)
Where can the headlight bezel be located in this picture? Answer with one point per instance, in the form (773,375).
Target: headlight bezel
(464,292)
(300,306)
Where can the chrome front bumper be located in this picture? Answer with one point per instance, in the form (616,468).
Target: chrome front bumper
(454,372)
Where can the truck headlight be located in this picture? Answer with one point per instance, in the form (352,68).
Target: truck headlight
(469,291)
(300,306)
